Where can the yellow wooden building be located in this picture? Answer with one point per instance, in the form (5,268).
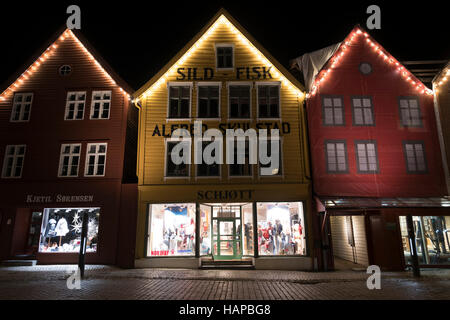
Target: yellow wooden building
(194,215)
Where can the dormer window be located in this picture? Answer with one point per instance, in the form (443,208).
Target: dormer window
(224,56)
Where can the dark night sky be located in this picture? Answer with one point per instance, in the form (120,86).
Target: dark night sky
(137,38)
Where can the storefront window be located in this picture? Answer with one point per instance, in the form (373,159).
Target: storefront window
(61,230)
(205,230)
(171,230)
(432,239)
(281,229)
(247,229)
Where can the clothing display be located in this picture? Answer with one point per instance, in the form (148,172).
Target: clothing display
(61,228)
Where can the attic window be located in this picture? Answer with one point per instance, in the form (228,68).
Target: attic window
(225,56)
(365,68)
(65,70)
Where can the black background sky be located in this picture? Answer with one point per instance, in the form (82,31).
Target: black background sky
(137,38)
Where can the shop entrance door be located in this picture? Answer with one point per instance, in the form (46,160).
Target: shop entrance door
(227,240)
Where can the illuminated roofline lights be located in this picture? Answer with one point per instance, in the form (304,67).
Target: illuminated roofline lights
(334,61)
(445,75)
(34,67)
(222,20)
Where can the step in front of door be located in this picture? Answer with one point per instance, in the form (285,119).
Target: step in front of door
(227,264)
(18,263)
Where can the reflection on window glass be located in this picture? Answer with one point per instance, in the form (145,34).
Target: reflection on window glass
(432,239)
(61,230)
(205,230)
(172,230)
(247,229)
(281,229)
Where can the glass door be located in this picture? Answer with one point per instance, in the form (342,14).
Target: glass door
(226,231)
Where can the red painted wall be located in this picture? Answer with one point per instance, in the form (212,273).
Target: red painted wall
(384,85)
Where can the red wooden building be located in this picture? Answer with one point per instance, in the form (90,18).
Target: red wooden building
(67,146)
(376,158)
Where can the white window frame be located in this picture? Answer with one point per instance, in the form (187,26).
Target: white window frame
(179,84)
(15,156)
(209,84)
(97,154)
(77,103)
(71,155)
(166,142)
(268,83)
(414,145)
(363,108)
(225,45)
(101,101)
(235,84)
(208,177)
(252,166)
(365,143)
(280,176)
(22,106)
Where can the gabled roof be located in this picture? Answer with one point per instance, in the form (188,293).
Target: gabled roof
(442,77)
(359,34)
(225,17)
(35,61)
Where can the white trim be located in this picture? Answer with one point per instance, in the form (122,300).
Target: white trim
(209,177)
(281,176)
(14,157)
(96,154)
(225,45)
(179,84)
(228,165)
(166,141)
(235,84)
(76,102)
(101,101)
(22,104)
(268,83)
(210,84)
(70,155)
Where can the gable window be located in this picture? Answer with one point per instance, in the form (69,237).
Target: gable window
(172,169)
(276,171)
(179,101)
(336,156)
(239,99)
(21,107)
(269,101)
(410,112)
(95,160)
(208,101)
(207,170)
(333,110)
(224,55)
(65,70)
(75,105)
(101,104)
(13,162)
(366,157)
(363,114)
(415,157)
(69,160)
(241,170)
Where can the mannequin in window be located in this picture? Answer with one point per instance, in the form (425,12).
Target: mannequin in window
(62,228)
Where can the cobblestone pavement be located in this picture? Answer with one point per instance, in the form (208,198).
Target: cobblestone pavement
(49,282)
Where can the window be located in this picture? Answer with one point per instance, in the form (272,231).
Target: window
(410,112)
(75,105)
(101,104)
(69,160)
(366,156)
(336,156)
(208,101)
(172,169)
(171,230)
(276,171)
(239,101)
(243,170)
(206,170)
(95,159)
(13,162)
(61,230)
(333,111)
(224,55)
(21,107)
(65,70)
(415,157)
(281,229)
(269,101)
(179,102)
(363,114)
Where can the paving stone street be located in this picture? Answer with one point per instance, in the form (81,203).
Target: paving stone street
(109,283)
